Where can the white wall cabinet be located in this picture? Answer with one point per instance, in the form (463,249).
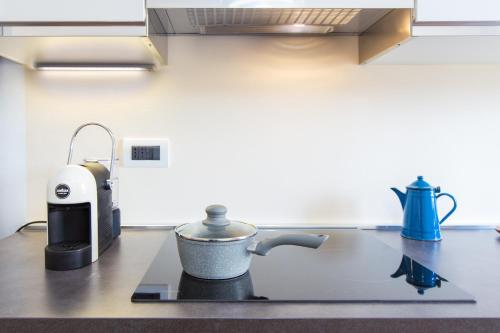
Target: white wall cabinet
(60,11)
(456,18)
(101,31)
(457,10)
(73,18)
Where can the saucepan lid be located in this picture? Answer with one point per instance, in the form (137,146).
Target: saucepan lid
(216,228)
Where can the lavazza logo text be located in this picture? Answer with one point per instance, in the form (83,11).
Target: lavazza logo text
(62,191)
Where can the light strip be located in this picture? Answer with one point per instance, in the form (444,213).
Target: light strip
(267,29)
(52,66)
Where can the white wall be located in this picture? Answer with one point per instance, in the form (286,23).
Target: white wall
(281,130)
(12,148)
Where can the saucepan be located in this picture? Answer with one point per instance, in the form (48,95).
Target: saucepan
(217,248)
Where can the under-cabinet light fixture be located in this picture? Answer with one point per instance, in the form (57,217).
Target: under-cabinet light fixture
(266,29)
(60,66)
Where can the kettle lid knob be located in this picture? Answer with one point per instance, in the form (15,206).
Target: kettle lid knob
(420,184)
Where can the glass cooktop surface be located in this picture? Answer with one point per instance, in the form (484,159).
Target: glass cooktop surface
(351,266)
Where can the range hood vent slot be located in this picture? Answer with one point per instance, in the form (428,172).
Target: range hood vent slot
(199,17)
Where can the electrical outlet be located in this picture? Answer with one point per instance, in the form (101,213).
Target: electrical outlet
(145,153)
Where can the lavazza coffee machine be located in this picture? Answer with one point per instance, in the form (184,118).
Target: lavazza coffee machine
(82,221)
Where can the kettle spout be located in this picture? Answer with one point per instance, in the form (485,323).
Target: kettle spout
(401,196)
(403,267)
(401,270)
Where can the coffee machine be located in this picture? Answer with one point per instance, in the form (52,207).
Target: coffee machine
(82,221)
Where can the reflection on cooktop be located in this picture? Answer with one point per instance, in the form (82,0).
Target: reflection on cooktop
(351,266)
(237,289)
(417,275)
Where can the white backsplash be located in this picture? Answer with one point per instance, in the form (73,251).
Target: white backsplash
(280,130)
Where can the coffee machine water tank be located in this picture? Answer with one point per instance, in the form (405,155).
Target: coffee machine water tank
(114,190)
(80,211)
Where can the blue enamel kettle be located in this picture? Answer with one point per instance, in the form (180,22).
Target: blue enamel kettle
(420,219)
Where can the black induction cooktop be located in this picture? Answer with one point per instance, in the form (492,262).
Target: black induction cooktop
(351,266)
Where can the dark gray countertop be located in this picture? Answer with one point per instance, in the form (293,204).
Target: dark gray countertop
(97,297)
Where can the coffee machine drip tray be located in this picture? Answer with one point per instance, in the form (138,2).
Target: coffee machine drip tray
(351,266)
(70,246)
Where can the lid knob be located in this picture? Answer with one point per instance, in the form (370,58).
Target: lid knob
(420,184)
(216,216)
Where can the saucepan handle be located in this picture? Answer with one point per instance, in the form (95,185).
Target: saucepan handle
(263,247)
(452,210)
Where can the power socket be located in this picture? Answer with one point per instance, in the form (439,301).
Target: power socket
(145,153)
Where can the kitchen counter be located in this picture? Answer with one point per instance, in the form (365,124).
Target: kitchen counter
(97,297)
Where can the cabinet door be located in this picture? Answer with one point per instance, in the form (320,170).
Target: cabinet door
(457,10)
(75,11)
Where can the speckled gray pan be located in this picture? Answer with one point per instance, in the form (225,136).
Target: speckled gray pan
(207,260)
(225,258)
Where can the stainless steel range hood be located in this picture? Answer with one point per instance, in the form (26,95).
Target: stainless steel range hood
(263,21)
(141,44)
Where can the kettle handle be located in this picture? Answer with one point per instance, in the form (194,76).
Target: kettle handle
(452,210)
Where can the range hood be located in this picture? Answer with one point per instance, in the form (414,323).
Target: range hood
(142,43)
(263,21)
